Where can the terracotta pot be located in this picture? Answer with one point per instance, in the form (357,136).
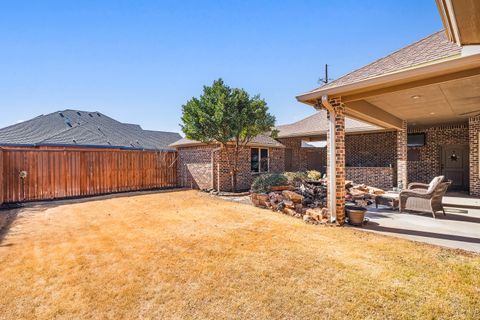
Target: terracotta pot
(356,215)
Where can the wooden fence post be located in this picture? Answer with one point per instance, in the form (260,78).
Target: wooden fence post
(1,176)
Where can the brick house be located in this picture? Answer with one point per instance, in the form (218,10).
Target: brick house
(205,166)
(427,98)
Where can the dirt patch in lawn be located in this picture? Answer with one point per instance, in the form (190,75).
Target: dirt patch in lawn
(187,255)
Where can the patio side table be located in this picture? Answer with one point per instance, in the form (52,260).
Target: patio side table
(388,199)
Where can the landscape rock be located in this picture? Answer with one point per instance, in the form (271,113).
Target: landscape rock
(314,213)
(289,204)
(298,207)
(289,212)
(292,196)
(263,197)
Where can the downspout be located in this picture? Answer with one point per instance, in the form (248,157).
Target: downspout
(213,166)
(332,174)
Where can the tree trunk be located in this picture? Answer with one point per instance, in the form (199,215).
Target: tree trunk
(234,169)
(234,181)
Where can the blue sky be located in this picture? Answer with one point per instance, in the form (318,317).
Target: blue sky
(139,61)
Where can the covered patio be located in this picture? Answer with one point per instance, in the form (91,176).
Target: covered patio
(434,82)
(459,229)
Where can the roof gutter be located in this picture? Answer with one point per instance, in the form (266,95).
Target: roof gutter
(449,20)
(391,79)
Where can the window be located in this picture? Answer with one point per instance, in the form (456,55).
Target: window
(416,139)
(259,160)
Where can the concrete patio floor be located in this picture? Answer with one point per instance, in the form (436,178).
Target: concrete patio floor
(459,229)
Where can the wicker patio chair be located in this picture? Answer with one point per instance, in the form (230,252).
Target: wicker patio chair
(425,197)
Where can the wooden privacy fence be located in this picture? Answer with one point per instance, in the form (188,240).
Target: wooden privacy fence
(72,172)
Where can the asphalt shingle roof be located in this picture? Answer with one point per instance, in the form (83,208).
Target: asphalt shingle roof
(427,50)
(75,127)
(317,124)
(261,140)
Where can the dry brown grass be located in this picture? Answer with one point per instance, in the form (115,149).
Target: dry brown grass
(199,257)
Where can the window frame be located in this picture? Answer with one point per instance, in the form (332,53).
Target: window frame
(259,153)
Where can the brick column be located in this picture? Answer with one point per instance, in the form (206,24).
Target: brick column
(339,161)
(402,177)
(474,159)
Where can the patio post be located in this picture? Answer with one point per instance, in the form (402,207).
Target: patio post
(336,161)
(402,177)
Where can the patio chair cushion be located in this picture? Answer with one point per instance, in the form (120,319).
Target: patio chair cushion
(434,183)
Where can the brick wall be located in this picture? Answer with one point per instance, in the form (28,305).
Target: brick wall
(361,150)
(371,149)
(379,177)
(194,167)
(244,176)
(300,155)
(430,155)
(473,132)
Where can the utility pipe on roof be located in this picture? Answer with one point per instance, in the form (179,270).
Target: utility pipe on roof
(331,149)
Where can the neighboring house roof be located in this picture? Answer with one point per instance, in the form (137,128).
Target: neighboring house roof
(317,124)
(84,128)
(260,140)
(433,48)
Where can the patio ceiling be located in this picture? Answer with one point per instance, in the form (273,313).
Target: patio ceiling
(443,102)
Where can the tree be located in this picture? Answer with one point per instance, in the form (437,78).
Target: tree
(227,116)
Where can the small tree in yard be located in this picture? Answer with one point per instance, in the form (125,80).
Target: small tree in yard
(228,116)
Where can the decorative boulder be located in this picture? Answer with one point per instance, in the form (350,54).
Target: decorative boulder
(292,196)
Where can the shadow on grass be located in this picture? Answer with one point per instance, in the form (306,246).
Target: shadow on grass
(7,217)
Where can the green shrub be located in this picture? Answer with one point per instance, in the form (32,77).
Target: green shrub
(295,177)
(262,183)
(314,175)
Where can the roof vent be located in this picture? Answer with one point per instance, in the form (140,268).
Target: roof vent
(61,114)
(78,112)
(98,114)
(69,124)
(90,115)
(74,141)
